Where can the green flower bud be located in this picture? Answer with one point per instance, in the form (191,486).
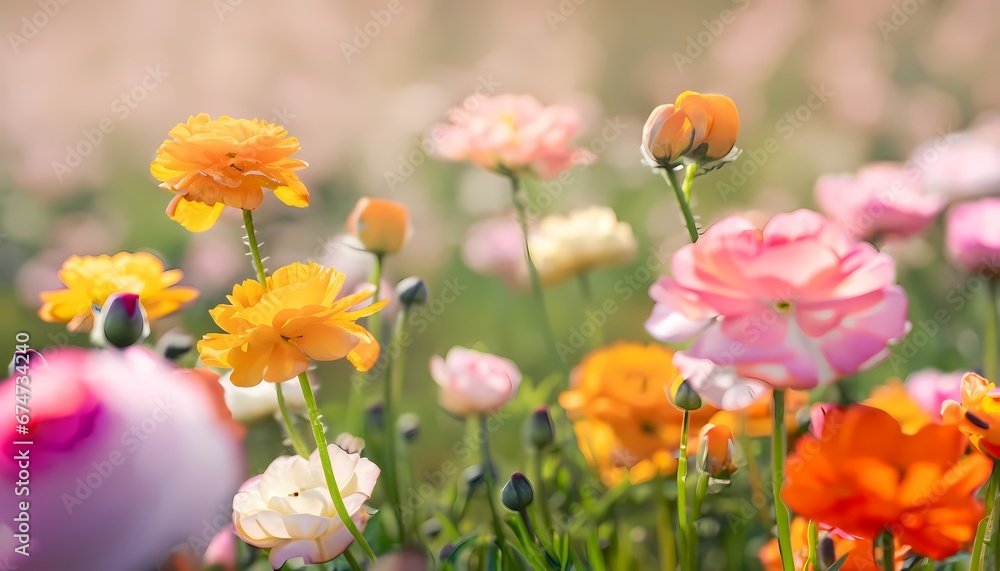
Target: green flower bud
(121,322)
(683,396)
(412,291)
(517,494)
(539,430)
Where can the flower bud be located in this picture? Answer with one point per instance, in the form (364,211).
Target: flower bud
(539,430)
(473,476)
(350,443)
(696,127)
(411,291)
(446,550)
(174,344)
(431,528)
(408,426)
(382,226)
(120,322)
(715,452)
(683,396)
(517,494)
(375,415)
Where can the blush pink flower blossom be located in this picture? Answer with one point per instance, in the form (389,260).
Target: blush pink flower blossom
(511,133)
(129,457)
(473,382)
(963,165)
(796,305)
(880,201)
(930,388)
(495,247)
(972,234)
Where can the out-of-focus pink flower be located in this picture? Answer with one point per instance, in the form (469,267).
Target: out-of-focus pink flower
(962,165)
(221,551)
(880,201)
(796,305)
(511,133)
(473,382)
(288,509)
(931,387)
(128,458)
(973,236)
(817,417)
(719,385)
(495,247)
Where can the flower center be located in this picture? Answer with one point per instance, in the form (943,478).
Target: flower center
(783,306)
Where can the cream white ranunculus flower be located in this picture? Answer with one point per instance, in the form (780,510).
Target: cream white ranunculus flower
(564,247)
(288,509)
(249,404)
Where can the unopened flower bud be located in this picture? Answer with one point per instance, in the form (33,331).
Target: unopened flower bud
(411,291)
(174,344)
(375,415)
(539,430)
(715,452)
(472,476)
(383,226)
(121,322)
(408,426)
(446,551)
(517,494)
(683,396)
(431,528)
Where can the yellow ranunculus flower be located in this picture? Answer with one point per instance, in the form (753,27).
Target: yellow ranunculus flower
(212,163)
(978,415)
(272,333)
(90,280)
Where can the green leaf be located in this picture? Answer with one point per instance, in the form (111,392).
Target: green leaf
(839,563)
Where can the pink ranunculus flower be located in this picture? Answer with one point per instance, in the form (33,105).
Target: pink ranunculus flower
(719,385)
(880,201)
(796,305)
(128,457)
(473,382)
(221,551)
(511,133)
(962,165)
(973,236)
(930,388)
(289,510)
(495,247)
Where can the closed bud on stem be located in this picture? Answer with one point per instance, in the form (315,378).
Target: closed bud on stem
(473,476)
(517,494)
(683,396)
(431,528)
(412,291)
(121,322)
(174,344)
(539,430)
(375,415)
(408,426)
(715,452)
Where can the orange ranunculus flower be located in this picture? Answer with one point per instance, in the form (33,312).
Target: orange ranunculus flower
(864,475)
(978,415)
(90,280)
(383,226)
(895,400)
(859,551)
(625,423)
(756,417)
(272,333)
(213,163)
(702,128)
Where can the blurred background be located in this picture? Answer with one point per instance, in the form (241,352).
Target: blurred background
(91,90)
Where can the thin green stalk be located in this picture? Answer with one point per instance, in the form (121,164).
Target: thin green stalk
(665,534)
(352,560)
(597,339)
(258,265)
(700,491)
(543,495)
(520,197)
(501,539)
(888,545)
(375,321)
(976,562)
(395,366)
(324,458)
(684,202)
(753,473)
(286,419)
(687,542)
(990,334)
(813,539)
(778,452)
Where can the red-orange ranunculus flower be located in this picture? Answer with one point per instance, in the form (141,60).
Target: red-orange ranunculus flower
(978,415)
(700,127)
(212,163)
(864,475)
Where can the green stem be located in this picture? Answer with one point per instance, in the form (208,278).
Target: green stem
(753,472)
(990,334)
(687,542)
(389,428)
(976,563)
(375,321)
(700,491)
(888,545)
(501,539)
(352,560)
(778,451)
(665,532)
(543,494)
(813,539)
(286,418)
(258,262)
(520,197)
(683,200)
(597,339)
(324,458)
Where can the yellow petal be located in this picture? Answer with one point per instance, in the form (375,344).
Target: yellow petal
(194,216)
